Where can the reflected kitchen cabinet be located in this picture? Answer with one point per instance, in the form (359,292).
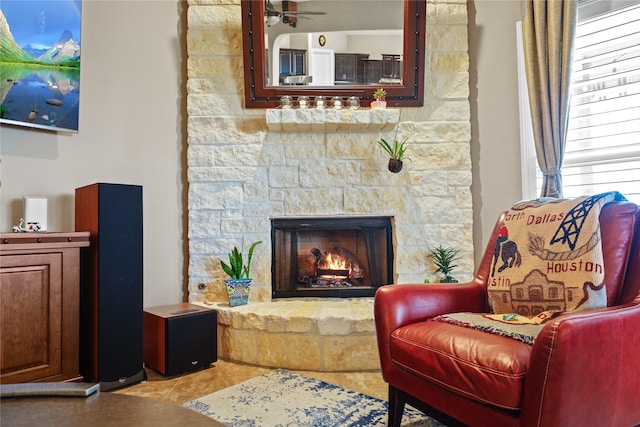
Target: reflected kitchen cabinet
(392,66)
(293,62)
(350,68)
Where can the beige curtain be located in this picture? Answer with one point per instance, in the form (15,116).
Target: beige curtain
(548,32)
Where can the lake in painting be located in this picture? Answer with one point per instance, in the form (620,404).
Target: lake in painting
(40,95)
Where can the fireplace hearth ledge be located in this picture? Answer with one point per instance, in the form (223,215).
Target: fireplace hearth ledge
(316,334)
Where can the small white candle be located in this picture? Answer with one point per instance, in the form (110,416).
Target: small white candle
(303,102)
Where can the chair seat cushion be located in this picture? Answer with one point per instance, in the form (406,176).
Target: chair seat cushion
(478,365)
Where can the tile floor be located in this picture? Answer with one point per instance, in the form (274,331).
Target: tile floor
(222,374)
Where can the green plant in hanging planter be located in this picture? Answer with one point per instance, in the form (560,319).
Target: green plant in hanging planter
(397,152)
(443,258)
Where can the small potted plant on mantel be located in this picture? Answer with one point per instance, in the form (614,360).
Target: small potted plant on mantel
(239,282)
(379,102)
(443,258)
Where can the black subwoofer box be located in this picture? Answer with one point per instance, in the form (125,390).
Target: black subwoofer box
(180,338)
(111,284)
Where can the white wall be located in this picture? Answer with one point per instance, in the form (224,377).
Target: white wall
(131,131)
(495,129)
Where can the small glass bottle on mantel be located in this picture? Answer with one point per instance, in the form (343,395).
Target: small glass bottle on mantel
(286,101)
(321,102)
(353,102)
(337,102)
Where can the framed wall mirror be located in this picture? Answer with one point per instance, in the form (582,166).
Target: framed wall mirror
(333,48)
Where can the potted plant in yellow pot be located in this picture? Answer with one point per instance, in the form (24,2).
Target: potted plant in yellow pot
(379,97)
(239,282)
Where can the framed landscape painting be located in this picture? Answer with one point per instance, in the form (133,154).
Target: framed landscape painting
(40,63)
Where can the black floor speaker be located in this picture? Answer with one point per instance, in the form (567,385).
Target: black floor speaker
(111,324)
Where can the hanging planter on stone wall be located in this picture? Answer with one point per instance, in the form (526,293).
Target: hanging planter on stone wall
(395,165)
(397,151)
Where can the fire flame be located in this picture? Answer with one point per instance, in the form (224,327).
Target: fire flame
(334,265)
(337,263)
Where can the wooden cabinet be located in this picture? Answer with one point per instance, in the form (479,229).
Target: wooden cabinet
(392,66)
(293,62)
(372,71)
(349,68)
(39,306)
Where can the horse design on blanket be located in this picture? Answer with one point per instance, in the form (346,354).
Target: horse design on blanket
(507,250)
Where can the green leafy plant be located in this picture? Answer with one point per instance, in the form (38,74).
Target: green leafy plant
(236,269)
(443,258)
(397,150)
(380,94)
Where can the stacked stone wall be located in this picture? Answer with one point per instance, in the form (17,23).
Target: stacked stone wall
(241,173)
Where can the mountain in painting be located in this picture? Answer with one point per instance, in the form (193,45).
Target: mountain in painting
(63,50)
(31,50)
(9,49)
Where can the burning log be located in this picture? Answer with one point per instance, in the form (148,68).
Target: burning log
(339,263)
(356,270)
(332,273)
(319,255)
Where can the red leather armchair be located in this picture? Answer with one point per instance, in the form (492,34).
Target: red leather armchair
(582,370)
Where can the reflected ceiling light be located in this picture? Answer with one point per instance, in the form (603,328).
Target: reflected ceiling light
(271,20)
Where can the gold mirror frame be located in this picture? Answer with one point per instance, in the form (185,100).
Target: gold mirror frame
(408,94)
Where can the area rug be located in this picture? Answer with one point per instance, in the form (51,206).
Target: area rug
(285,399)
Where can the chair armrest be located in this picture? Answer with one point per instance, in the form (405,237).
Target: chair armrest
(399,305)
(589,356)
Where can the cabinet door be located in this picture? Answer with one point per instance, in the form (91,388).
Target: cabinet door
(285,63)
(392,66)
(345,65)
(31,317)
(299,61)
(372,71)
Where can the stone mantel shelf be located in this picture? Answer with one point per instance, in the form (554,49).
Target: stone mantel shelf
(331,120)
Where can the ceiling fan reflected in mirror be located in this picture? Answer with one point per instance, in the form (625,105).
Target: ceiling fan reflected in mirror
(289,14)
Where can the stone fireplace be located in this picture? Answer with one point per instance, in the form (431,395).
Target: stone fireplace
(247,167)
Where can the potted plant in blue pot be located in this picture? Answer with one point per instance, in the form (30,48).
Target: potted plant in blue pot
(239,282)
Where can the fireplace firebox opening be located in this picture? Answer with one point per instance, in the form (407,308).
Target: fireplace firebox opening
(330,257)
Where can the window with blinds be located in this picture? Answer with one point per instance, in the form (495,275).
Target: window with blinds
(602,151)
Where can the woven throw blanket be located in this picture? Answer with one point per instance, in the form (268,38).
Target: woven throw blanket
(548,258)
(503,324)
